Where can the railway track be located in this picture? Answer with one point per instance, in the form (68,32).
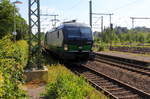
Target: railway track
(124,65)
(126,61)
(112,87)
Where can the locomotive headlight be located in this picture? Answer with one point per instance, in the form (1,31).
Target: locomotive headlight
(65,47)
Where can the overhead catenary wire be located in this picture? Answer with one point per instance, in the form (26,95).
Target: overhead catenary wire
(124,6)
(75,5)
(133,18)
(97,20)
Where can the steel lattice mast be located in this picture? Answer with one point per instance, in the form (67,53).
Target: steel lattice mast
(34,22)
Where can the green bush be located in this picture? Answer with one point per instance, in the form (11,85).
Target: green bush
(67,86)
(13,58)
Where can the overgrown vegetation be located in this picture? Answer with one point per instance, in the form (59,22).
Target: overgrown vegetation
(65,85)
(13,58)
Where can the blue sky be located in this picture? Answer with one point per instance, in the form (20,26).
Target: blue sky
(78,9)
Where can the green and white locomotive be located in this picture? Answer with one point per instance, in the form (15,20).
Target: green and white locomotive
(70,41)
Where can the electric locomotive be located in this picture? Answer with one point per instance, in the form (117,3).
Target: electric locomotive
(70,41)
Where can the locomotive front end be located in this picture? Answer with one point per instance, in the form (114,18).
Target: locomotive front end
(78,42)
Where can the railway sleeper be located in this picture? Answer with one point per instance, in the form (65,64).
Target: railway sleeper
(95,77)
(92,78)
(115,89)
(121,92)
(148,72)
(134,96)
(99,80)
(124,93)
(107,84)
(102,82)
(88,73)
(110,86)
(89,76)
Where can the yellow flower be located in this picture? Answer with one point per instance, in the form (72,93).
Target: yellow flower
(1,84)
(1,79)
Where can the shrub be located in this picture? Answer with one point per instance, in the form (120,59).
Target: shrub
(65,85)
(13,58)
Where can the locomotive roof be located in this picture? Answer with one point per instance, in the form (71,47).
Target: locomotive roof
(75,24)
(69,24)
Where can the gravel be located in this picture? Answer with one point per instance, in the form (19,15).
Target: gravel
(137,80)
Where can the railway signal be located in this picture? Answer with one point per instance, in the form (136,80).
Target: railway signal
(111,26)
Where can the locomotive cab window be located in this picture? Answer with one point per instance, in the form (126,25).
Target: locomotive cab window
(86,32)
(73,32)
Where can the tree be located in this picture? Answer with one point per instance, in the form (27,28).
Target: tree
(148,38)
(106,36)
(7,20)
(142,37)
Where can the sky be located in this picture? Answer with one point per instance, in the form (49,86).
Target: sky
(79,10)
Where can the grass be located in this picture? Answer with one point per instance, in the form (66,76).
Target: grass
(63,84)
